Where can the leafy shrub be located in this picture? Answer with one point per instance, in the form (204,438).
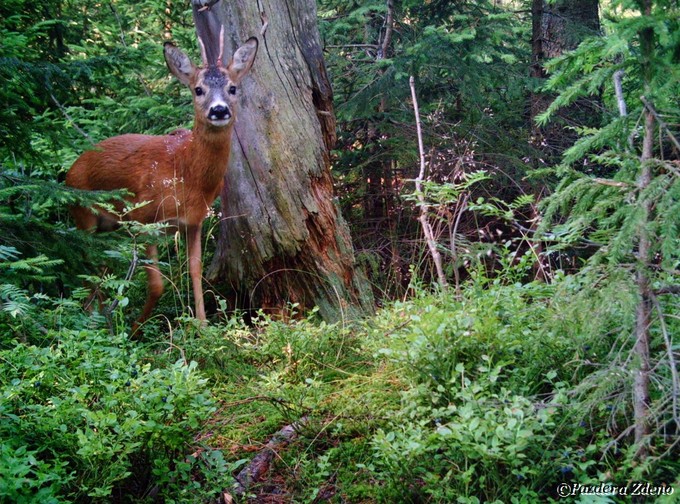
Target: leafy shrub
(89,416)
(485,397)
(504,322)
(486,444)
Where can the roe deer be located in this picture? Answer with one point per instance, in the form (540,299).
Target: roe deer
(179,174)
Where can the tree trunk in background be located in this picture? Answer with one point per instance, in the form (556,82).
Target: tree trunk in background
(282,239)
(558,27)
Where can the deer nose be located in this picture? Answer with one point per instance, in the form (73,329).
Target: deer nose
(219,112)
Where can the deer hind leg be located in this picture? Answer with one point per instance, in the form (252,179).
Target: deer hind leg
(155,286)
(196,269)
(84,217)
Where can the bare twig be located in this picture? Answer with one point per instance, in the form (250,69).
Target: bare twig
(671,359)
(360,46)
(147,91)
(128,277)
(618,89)
(461,206)
(609,182)
(71,120)
(265,23)
(424,207)
(667,289)
(648,105)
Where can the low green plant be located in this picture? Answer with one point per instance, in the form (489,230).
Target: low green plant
(485,443)
(89,416)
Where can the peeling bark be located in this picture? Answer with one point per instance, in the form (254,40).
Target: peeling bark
(282,238)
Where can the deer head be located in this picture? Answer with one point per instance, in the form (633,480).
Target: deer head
(214,86)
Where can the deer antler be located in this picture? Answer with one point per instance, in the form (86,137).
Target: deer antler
(219,57)
(204,55)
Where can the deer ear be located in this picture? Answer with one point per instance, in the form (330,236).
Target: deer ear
(242,61)
(179,63)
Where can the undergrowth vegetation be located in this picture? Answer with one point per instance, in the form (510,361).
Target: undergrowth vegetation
(498,395)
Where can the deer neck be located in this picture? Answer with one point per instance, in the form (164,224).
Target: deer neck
(208,154)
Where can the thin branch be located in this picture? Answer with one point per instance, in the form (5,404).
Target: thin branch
(389,25)
(612,183)
(662,124)
(128,277)
(671,359)
(265,23)
(427,228)
(667,289)
(360,46)
(618,89)
(71,120)
(461,206)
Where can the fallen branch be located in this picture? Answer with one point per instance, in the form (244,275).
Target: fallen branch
(259,466)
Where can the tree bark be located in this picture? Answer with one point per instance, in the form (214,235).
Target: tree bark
(282,238)
(643,312)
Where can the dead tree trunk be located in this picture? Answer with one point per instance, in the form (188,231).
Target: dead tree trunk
(282,239)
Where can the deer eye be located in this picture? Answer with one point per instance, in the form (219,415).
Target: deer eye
(199,91)
(232,89)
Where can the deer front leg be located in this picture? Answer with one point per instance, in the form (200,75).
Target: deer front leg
(196,269)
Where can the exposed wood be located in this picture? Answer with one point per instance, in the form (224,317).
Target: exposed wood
(258,467)
(618,90)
